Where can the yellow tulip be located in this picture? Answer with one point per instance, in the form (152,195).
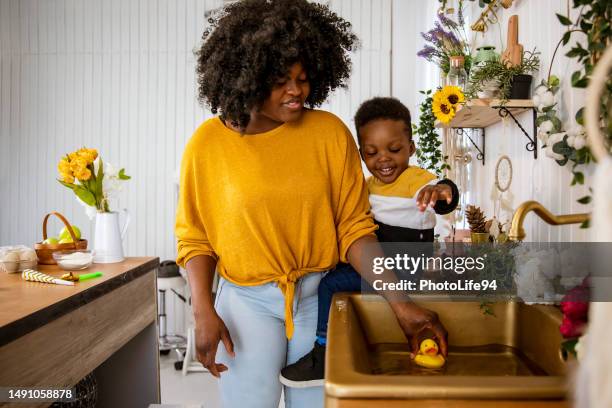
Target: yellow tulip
(67,178)
(84,174)
(78,164)
(93,153)
(88,154)
(63,166)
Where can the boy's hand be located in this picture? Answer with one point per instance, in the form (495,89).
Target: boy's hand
(429,195)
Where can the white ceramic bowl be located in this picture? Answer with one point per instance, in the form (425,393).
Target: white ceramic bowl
(74,260)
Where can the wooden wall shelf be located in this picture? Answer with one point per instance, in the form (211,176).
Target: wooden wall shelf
(482,113)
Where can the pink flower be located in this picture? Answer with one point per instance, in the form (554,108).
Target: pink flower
(571,329)
(576,311)
(575,303)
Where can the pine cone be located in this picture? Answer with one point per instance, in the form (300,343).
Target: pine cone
(475,218)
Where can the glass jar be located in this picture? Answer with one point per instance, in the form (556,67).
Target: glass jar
(457,75)
(485,54)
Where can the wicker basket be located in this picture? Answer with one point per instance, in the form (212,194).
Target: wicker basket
(45,251)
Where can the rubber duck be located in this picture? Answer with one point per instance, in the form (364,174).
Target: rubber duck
(428,356)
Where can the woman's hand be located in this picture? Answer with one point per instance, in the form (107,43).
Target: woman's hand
(209,328)
(414,319)
(209,331)
(430,194)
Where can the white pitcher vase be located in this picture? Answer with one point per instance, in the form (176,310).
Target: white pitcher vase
(108,237)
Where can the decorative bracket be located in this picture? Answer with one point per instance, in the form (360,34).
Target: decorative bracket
(481,155)
(532,145)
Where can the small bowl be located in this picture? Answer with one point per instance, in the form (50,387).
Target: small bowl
(69,261)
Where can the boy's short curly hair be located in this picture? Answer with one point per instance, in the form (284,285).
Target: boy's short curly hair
(253,43)
(382,108)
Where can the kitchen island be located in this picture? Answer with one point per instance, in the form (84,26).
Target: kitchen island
(53,335)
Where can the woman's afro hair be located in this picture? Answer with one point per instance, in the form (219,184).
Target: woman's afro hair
(253,43)
(382,108)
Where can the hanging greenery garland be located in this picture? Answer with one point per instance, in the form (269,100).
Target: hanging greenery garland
(428,152)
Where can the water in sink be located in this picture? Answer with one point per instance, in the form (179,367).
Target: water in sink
(489,360)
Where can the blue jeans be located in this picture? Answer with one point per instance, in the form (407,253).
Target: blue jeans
(342,279)
(255,318)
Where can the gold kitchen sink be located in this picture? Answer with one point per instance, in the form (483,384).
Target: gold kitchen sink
(511,358)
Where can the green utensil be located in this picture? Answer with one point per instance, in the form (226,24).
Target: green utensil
(92,275)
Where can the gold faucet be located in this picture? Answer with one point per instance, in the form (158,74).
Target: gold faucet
(517,233)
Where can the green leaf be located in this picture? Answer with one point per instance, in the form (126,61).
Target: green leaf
(566,37)
(564,20)
(556,123)
(577,52)
(63,183)
(578,178)
(578,81)
(85,195)
(123,176)
(562,148)
(585,25)
(586,224)
(570,346)
(582,83)
(99,188)
(584,200)
(580,116)
(541,119)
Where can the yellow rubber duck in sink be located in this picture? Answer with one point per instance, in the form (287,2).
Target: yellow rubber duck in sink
(429,356)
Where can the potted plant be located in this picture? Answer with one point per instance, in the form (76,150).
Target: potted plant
(477,221)
(514,81)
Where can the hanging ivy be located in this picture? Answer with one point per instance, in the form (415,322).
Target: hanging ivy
(429,155)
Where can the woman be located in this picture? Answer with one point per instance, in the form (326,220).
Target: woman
(271,195)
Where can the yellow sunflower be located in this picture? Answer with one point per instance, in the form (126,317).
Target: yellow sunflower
(452,95)
(443,110)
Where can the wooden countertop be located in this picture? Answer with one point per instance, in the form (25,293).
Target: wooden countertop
(27,306)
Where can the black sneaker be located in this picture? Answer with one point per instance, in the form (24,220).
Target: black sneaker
(308,371)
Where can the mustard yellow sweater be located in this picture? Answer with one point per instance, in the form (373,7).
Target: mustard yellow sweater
(274,206)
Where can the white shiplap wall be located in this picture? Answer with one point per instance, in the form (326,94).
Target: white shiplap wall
(115,75)
(119,76)
(541,179)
